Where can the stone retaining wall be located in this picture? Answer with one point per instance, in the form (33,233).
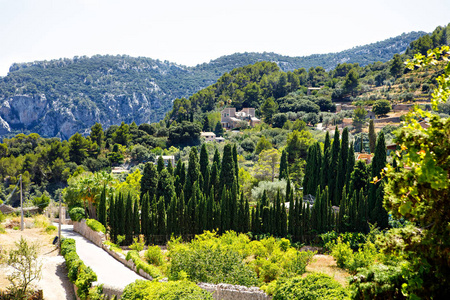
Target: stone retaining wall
(96,237)
(224,291)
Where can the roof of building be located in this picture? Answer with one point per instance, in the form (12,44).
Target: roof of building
(207,133)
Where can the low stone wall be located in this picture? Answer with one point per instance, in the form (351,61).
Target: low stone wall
(388,120)
(224,291)
(96,237)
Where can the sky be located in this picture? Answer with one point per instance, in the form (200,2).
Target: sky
(197,31)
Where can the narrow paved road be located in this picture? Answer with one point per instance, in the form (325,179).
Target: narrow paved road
(109,271)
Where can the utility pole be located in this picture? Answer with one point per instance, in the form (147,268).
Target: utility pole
(59,228)
(21,205)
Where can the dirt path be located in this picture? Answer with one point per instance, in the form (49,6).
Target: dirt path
(326,264)
(54,282)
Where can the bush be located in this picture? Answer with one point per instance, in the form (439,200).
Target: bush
(378,282)
(154,256)
(140,264)
(347,259)
(41,221)
(203,260)
(95,225)
(77,214)
(141,289)
(50,229)
(313,286)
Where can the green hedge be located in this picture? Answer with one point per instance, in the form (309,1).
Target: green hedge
(180,290)
(79,274)
(140,264)
(95,225)
(313,286)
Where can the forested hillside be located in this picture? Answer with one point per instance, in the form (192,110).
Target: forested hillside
(61,97)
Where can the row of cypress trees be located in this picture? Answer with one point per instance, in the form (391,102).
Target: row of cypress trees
(350,184)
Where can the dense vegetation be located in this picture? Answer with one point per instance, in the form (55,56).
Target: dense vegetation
(114,89)
(251,183)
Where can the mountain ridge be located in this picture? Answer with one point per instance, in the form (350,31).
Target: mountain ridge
(63,96)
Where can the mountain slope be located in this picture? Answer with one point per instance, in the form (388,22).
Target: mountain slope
(61,97)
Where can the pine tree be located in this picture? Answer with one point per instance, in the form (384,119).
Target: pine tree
(102,207)
(372,136)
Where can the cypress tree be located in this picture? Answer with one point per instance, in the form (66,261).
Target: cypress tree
(181,212)
(227,172)
(342,212)
(283,220)
(145,215)
(214,180)
(121,213)
(352,211)
(149,180)
(236,167)
(129,220)
(192,173)
(102,207)
(246,216)
(160,164)
(308,171)
(210,211)
(342,168)
(161,217)
(204,160)
(165,187)
(324,172)
(112,220)
(170,167)
(334,160)
(136,221)
(284,173)
(362,213)
(216,158)
(350,166)
(378,163)
(372,136)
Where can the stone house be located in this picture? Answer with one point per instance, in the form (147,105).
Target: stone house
(208,136)
(232,119)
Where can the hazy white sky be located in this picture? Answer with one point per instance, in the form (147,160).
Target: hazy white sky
(196,31)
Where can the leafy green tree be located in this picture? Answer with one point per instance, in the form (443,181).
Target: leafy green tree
(268,165)
(396,68)
(77,148)
(268,109)
(122,134)
(359,117)
(97,134)
(381,107)
(351,82)
(263,144)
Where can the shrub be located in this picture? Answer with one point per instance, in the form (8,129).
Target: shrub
(140,264)
(378,282)
(95,225)
(76,214)
(313,286)
(346,258)
(141,289)
(154,256)
(138,244)
(41,221)
(50,229)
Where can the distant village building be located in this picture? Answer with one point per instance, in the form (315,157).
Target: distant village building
(311,89)
(208,136)
(167,159)
(232,119)
(367,157)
